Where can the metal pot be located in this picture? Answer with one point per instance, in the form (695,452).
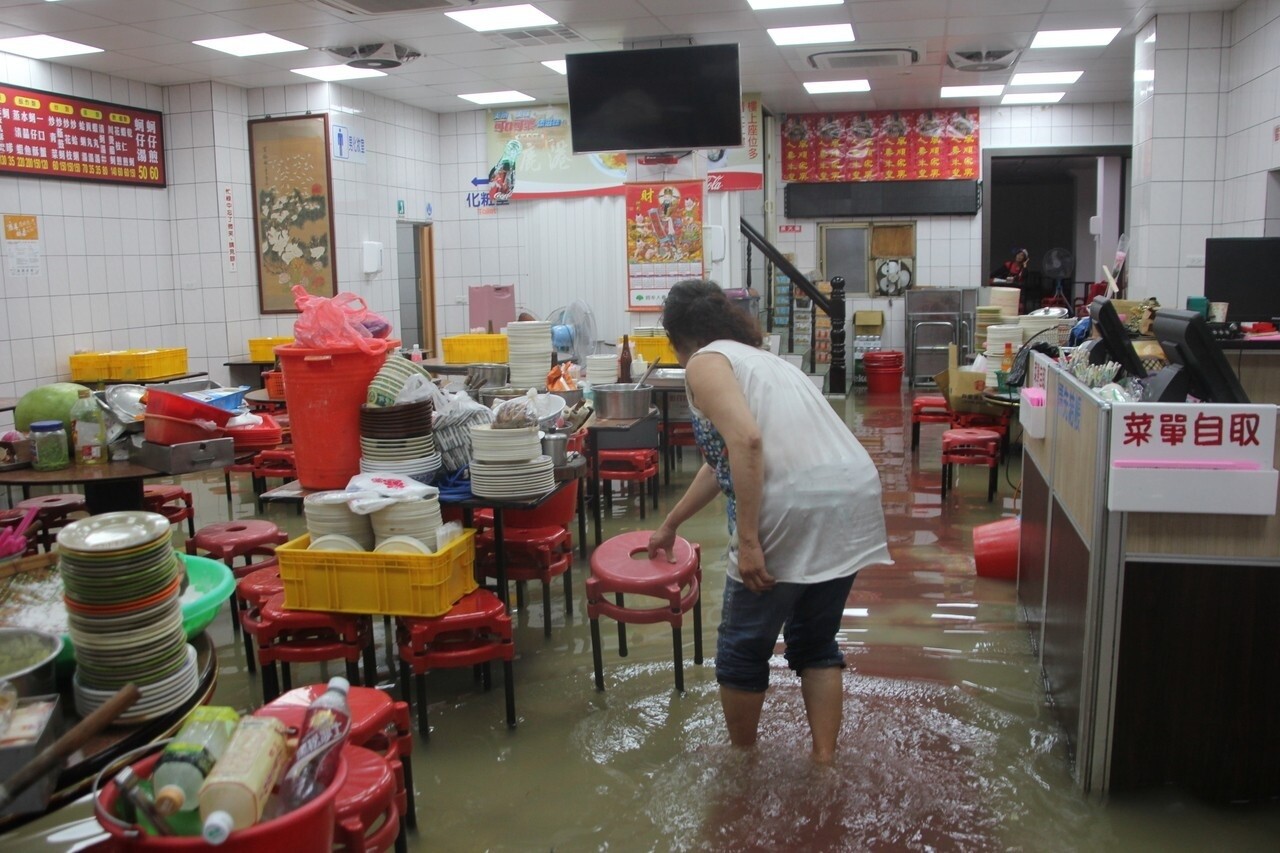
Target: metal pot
(37,678)
(489,396)
(570,397)
(493,374)
(622,401)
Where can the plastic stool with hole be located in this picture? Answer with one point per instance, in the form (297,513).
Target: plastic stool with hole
(621,566)
(53,513)
(173,502)
(305,636)
(635,466)
(251,591)
(971,447)
(927,409)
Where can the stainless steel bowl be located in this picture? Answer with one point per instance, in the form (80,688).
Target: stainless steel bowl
(622,401)
(493,374)
(490,395)
(34,675)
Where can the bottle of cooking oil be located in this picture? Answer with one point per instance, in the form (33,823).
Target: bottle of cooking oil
(88,430)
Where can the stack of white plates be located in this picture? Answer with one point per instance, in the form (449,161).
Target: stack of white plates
(997,337)
(504,445)
(507,480)
(529,353)
(330,513)
(417,520)
(414,457)
(1007,299)
(648,332)
(602,369)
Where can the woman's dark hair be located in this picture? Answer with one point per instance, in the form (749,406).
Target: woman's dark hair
(697,312)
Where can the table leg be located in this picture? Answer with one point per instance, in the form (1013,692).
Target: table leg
(665,441)
(582,519)
(500,558)
(113,496)
(593,451)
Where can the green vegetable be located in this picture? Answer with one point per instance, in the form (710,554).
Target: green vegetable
(46,403)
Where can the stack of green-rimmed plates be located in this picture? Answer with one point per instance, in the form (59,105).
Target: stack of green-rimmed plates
(391,378)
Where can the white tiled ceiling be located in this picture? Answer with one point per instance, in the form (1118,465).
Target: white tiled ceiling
(149,40)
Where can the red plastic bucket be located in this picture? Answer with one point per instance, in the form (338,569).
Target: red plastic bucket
(307,828)
(324,389)
(995,549)
(884,380)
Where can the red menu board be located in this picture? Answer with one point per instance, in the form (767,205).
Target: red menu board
(55,136)
(902,145)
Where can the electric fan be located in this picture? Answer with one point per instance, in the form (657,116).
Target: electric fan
(1059,265)
(893,275)
(573,331)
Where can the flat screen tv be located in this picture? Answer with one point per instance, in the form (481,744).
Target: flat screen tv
(658,99)
(1243,271)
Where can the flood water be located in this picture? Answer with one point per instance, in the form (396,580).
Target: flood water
(947,743)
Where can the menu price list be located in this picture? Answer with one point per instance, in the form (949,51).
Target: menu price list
(51,135)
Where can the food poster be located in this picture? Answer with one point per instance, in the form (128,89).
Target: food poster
(899,145)
(531,155)
(22,245)
(664,240)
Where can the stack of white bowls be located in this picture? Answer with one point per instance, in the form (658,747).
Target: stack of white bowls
(997,337)
(330,513)
(602,369)
(1007,300)
(417,520)
(529,353)
(509,463)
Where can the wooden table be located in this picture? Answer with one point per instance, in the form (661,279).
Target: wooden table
(616,434)
(109,487)
(8,404)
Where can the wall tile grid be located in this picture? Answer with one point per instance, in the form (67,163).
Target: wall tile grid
(106,247)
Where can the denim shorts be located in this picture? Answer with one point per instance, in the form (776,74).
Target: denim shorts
(751,622)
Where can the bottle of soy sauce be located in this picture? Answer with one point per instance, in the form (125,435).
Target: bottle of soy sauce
(624,362)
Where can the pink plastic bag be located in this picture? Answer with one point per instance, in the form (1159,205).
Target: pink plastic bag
(334,323)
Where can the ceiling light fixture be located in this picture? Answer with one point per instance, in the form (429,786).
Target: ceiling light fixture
(972,91)
(822,34)
(1046,78)
(830,87)
(557,65)
(1144,75)
(1074,38)
(507,97)
(332,73)
(761,5)
(1032,98)
(45,47)
(254,44)
(502,18)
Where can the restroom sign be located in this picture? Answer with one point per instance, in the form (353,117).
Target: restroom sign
(346,145)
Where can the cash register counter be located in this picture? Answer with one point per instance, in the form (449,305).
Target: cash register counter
(1157,631)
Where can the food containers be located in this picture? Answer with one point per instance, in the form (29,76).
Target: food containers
(622,401)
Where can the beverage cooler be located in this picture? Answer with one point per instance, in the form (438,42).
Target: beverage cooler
(936,318)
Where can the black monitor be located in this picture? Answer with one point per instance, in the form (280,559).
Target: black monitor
(1115,344)
(1197,366)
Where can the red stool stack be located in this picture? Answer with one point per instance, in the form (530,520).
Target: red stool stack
(971,447)
(173,502)
(306,636)
(477,630)
(378,723)
(252,591)
(229,541)
(635,466)
(996,423)
(615,570)
(927,409)
(367,819)
(53,513)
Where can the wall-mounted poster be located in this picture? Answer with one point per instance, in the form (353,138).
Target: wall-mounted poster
(293,209)
(902,145)
(532,156)
(664,240)
(55,136)
(740,168)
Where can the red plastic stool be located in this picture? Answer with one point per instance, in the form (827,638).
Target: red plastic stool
(378,723)
(635,466)
(995,423)
(971,447)
(229,541)
(305,636)
(173,502)
(53,513)
(251,591)
(366,798)
(615,569)
(534,564)
(927,409)
(476,630)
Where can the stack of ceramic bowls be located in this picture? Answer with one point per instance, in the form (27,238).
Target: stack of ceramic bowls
(997,337)
(529,353)
(122,578)
(987,316)
(398,440)
(508,463)
(390,379)
(413,520)
(602,369)
(329,513)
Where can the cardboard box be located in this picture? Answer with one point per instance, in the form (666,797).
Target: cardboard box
(33,729)
(868,322)
(188,456)
(963,387)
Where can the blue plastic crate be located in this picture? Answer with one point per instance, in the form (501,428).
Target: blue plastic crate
(224,398)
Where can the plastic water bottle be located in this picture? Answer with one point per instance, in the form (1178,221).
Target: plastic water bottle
(190,757)
(415,355)
(324,731)
(235,792)
(88,430)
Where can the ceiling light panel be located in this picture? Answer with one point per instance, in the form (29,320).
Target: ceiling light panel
(972,91)
(45,47)
(1046,78)
(254,44)
(557,65)
(1032,98)
(831,87)
(331,73)
(507,97)
(502,18)
(821,34)
(1074,38)
(761,5)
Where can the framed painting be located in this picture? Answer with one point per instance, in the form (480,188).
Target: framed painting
(292,209)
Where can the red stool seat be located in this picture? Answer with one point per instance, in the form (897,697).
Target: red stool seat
(927,409)
(971,447)
(251,591)
(53,513)
(305,636)
(615,570)
(173,502)
(366,818)
(476,630)
(635,466)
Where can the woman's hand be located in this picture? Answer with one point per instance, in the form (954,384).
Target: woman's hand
(663,539)
(755,576)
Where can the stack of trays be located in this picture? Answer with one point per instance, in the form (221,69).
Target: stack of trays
(330,513)
(121,578)
(390,379)
(398,440)
(529,353)
(416,521)
(508,463)
(602,369)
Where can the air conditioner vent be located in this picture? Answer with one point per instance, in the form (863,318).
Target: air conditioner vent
(535,37)
(998,59)
(859,58)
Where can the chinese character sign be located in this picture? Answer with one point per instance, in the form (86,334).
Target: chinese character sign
(1193,432)
(51,135)
(740,168)
(902,145)
(664,240)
